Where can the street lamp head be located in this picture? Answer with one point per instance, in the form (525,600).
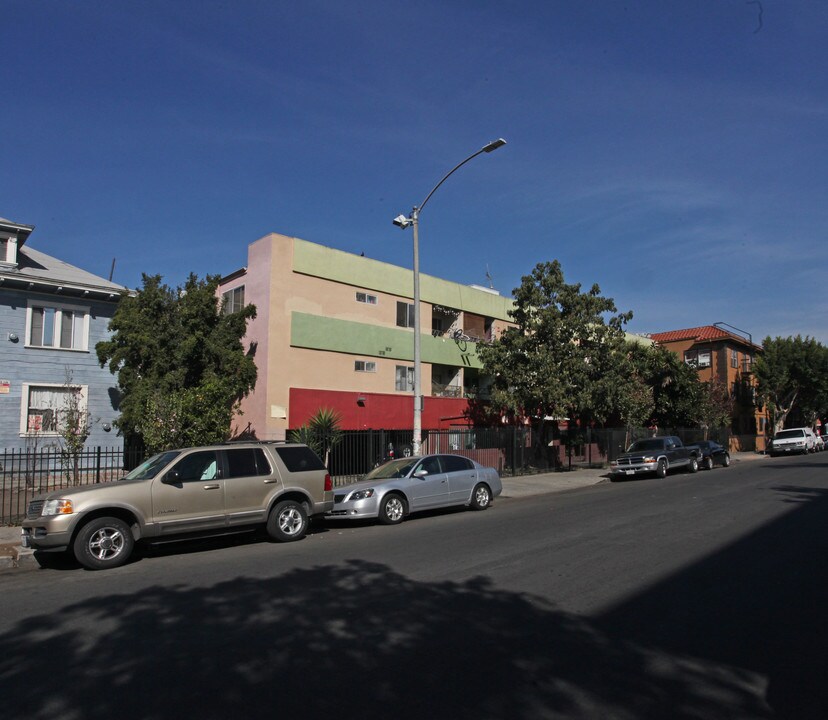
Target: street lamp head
(401,221)
(494,145)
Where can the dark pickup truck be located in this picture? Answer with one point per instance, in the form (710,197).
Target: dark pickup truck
(656,455)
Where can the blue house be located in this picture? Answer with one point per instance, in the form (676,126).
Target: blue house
(51,316)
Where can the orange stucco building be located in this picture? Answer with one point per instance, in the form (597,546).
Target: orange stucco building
(721,354)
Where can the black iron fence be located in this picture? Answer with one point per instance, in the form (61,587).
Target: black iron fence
(351,454)
(26,473)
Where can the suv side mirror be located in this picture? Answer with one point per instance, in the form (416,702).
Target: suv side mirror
(173,477)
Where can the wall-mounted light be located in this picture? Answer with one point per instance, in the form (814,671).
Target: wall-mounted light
(13,337)
(361,400)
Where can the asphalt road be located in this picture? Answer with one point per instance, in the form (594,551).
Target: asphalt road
(696,596)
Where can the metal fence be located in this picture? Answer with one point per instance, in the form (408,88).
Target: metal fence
(351,454)
(26,473)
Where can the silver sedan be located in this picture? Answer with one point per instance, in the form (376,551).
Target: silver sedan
(406,485)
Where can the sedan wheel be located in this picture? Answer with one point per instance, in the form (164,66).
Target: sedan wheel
(481,497)
(392,510)
(726,460)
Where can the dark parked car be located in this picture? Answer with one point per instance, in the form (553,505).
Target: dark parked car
(712,454)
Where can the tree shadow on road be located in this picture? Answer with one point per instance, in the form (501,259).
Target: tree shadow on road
(353,640)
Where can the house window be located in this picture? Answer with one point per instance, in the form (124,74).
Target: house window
(704,358)
(365,366)
(691,358)
(405,379)
(57,326)
(734,358)
(44,407)
(233,300)
(4,244)
(405,314)
(366,298)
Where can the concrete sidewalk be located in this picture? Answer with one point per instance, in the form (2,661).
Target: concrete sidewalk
(14,557)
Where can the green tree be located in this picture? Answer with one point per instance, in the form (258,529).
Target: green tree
(181,367)
(74,426)
(563,342)
(792,372)
(321,433)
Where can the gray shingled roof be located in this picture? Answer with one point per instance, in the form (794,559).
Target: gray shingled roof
(40,267)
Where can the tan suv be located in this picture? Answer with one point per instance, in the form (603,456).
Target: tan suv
(196,491)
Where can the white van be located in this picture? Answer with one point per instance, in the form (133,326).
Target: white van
(793,440)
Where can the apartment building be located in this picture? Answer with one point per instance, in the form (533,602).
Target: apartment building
(52,314)
(335,330)
(721,353)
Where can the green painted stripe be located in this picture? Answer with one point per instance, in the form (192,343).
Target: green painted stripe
(362,340)
(364,273)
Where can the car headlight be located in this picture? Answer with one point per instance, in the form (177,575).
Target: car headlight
(649,458)
(57,507)
(362,494)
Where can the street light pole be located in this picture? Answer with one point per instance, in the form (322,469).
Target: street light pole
(414,220)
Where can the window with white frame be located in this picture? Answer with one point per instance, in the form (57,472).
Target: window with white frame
(52,325)
(45,407)
(365,366)
(404,378)
(405,314)
(734,358)
(704,358)
(691,357)
(233,300)
(366,298)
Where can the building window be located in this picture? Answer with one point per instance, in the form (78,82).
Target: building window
(405,379)
(366,298)
(734,358)
(57,326)
(4,244)
(405,314)
(365,366)
(233,300)
(704,358)
(44,407)
(691,358)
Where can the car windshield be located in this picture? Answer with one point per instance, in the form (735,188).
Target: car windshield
(646,445)
(149,468)
(393,469)
(787,434)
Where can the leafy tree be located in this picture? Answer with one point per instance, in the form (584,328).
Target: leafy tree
(716,405)
(321,433)
(792,372)
(74,427)
(678,396)
(181,366)
(550,362)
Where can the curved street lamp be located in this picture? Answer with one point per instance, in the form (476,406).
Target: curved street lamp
(414,220)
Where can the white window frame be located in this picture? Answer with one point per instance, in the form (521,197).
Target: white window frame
(704,358)
(26,388)
(369,366)
(367,298)
(228,298)
(409,379)
(59,309)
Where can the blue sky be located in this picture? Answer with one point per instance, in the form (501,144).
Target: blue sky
(674,153)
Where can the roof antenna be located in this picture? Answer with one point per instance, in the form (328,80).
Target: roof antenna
(489,277)
(112,270)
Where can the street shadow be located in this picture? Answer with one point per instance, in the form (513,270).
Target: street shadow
(759,605)
(350,640)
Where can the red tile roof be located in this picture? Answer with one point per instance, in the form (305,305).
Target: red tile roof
(705,333)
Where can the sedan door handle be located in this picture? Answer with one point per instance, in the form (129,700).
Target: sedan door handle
(212,487)
(271,481)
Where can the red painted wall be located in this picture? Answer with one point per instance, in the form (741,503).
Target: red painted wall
(378,412)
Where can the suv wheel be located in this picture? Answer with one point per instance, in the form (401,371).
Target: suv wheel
(693,465)
(288,521)
(661,469)
(103,543)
